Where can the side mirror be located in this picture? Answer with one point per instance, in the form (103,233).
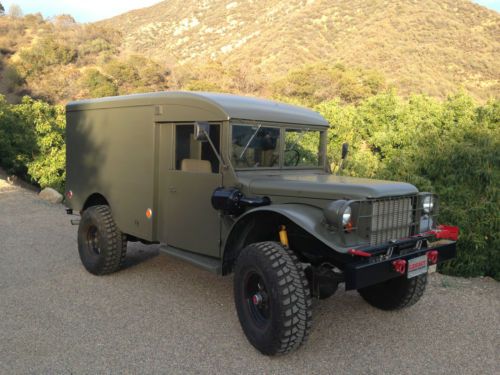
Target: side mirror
(201,131)
(345,150)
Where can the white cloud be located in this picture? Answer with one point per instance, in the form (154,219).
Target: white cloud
(82,11)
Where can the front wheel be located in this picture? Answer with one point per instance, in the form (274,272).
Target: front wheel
(272,298)
(395,294)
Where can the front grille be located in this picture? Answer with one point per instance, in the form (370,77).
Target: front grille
(392,218)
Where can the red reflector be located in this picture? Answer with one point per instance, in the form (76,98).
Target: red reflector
(359,253)
(399,266)
(69,194)
(432,256)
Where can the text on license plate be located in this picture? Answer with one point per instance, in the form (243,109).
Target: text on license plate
(417,266)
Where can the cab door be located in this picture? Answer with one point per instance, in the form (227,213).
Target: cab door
(187,179)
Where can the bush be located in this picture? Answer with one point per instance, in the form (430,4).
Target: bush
(136,74)
(48,164)
(313,84)
(32,141)
(46,52)
(98,84)
(12,78)
(17,140)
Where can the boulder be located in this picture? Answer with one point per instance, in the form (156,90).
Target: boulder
(51,195)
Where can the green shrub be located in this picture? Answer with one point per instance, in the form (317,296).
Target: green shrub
(136,74)
(32,141)
(316,83)
(17,140)
(48,165)
(44,53)
(12,78)
(98,84)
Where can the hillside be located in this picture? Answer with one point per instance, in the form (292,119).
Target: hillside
(430,46)
(58,60)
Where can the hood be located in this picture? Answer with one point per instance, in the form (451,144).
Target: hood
(323,186)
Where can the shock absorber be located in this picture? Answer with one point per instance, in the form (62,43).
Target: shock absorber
(284,236)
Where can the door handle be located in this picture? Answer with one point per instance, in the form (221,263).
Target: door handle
(172,189)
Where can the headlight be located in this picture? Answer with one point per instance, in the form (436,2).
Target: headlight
(428,204)
(346,216)
(338,214)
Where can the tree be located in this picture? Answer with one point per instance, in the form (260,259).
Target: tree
(2,10)
(64,20)
(15,11)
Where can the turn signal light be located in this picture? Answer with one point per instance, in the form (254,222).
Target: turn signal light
(399,266)
(432,257)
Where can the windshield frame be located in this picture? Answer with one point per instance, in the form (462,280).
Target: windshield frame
(282,127)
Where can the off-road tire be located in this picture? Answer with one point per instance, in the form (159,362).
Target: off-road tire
(101,245)
(289,303)
(395,294)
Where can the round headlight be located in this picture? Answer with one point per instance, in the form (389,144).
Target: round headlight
(428,204)
(346,216)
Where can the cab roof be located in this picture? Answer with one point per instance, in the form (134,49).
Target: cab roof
(225,106)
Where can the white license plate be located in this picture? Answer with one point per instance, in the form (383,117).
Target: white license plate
(417,266)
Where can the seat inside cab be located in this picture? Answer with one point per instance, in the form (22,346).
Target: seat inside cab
(196,166)
(196,156)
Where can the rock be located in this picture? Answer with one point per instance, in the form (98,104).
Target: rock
(13,180)
(51,195)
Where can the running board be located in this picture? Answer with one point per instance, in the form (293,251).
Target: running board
(207,263)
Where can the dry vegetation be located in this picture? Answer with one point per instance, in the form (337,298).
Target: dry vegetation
(59,60)
(425,46)
(314,49)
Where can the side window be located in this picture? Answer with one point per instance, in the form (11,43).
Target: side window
(195,156)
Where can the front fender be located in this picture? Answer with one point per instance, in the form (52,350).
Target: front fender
(307,217)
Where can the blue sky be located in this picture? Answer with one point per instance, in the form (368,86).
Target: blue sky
(94,10)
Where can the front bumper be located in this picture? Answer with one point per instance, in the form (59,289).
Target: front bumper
(379,266)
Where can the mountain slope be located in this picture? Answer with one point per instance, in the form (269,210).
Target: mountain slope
(431,46)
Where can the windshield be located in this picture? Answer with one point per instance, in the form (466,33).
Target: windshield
(258,146)
(302,148)
(255,146)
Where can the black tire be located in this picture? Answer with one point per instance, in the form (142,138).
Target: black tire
(395,294)
(283,319)
(101,245)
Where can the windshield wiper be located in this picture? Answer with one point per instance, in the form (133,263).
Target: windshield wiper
(249,141)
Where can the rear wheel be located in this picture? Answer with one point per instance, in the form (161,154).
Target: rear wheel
(101,245)
(272,298)
(395,294)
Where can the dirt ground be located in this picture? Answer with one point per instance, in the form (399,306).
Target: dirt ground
(160,315)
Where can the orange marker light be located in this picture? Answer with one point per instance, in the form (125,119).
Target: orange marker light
(149,213)
(348,226)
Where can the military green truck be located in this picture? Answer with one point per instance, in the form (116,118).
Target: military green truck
(242,186)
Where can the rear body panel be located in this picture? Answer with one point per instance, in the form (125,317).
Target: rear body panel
(111,152)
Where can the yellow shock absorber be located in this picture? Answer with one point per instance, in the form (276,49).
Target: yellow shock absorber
(283,236)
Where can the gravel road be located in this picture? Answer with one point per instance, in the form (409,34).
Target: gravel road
(160,315)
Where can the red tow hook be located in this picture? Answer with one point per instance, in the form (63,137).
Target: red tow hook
(399,266)
(359,253)
(446,232)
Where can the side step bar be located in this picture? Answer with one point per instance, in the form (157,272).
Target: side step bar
(207,263)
